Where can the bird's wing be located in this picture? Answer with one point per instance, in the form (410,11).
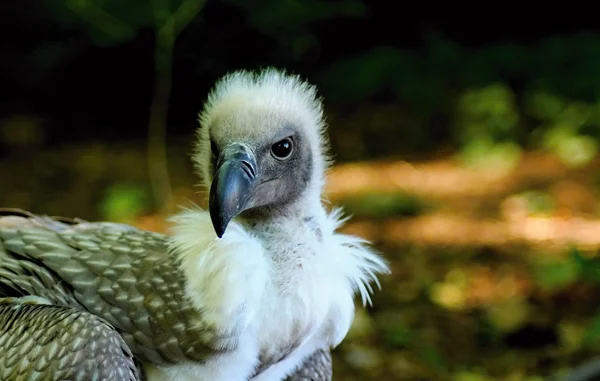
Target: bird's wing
(117,272)
(317,367)
(49,342)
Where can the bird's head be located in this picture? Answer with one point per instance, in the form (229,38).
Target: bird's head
(261,145)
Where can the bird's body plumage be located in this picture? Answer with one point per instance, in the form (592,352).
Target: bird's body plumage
(274,289)
(122,274)
(67,344)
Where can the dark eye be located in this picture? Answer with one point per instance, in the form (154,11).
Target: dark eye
(282,149)
(213,148)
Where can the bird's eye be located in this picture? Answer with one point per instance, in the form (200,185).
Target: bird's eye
(282,149)
(213,148)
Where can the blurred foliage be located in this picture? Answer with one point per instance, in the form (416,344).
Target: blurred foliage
(498,99)
(111,22)
(486,103)
(487,120)
(105,22)
(381,205)
(125,202)
(290,23)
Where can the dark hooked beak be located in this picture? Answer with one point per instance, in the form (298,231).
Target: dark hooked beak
(232,185)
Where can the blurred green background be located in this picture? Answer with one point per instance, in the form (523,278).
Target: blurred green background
(467,151)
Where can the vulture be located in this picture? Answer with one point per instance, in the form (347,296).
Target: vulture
(260,286)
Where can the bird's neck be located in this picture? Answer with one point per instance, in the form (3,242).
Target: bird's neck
(298,220)
(292,240)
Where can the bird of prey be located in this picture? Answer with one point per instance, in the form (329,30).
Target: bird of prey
(259,287)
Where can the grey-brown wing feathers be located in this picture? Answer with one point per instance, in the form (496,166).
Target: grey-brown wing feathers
(119,273)
(317,367)
(48,342)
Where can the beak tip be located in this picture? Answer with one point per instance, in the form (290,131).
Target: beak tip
(218,226)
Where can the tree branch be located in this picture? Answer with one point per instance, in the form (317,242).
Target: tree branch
(100,19)
(166,33)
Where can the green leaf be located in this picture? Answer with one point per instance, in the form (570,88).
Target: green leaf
(432,357)
(593,333)
(354,78)
(381,205)
(482,152)
(465,375)
(577,151)
(538,202)
(111,22)
(399,336)
(543,105)
(589,268)
(124,202)
(557,274)
(488,112)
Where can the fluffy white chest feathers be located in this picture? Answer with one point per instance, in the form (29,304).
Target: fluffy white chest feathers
(278,295)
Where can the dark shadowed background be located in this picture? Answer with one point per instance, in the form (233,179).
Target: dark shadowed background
(466,146)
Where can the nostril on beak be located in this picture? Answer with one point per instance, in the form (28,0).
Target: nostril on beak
(248,168)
